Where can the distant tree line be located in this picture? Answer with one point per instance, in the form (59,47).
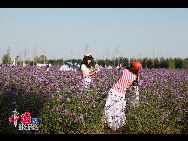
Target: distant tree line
(146,62)
(121,61)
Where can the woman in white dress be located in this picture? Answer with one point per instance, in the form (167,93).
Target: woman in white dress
(86,70)
(114,110)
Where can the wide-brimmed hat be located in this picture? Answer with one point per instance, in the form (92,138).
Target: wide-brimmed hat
(89,56)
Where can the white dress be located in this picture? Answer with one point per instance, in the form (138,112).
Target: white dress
(85,80)
(114,114)
(114,110)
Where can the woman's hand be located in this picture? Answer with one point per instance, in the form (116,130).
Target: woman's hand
(93,72)
(90,74)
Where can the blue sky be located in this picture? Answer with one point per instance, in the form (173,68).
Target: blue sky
(64,32)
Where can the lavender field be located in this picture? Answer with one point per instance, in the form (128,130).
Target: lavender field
(56,99)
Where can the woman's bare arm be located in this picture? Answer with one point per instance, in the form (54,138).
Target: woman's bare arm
(91,73)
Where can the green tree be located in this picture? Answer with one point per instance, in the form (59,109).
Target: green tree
(185,64)
(150,63)
(42,59)
(6,58)
(157,63)
(178,62)
(27,62)
(164,63)
(171,63)
(144,62)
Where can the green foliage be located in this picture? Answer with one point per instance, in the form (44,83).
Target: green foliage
(178,62)
(146,62)
(42,59)
(171,63)
(6,58)
(185,64)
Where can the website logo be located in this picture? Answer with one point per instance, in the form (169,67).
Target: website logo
(25,121)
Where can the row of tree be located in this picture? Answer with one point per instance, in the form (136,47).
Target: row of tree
(121,61)
(146,62)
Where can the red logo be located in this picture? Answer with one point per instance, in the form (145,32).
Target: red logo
(25,118)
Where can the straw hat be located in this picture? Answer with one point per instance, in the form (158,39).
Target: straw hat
(89,56)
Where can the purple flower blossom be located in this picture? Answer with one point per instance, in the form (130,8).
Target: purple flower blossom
(163,95)
(68,99)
